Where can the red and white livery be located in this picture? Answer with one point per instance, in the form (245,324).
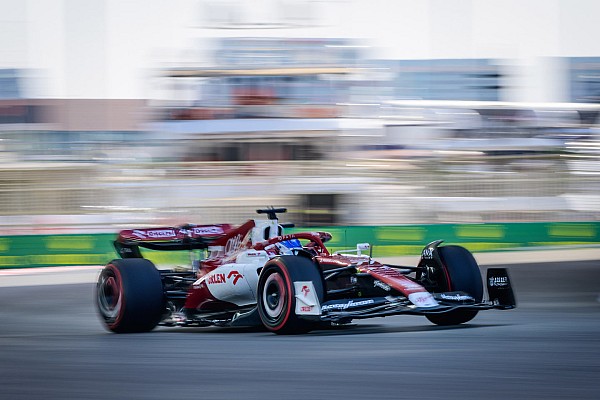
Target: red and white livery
(255,274)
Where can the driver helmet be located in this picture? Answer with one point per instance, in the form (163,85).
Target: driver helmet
(286,246)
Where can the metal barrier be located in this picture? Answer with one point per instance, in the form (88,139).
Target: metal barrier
(100,197)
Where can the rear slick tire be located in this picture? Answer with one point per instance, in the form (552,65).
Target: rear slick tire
(277,297)
(464,275)
(129,296)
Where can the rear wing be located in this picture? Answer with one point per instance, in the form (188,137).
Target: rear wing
(187,237)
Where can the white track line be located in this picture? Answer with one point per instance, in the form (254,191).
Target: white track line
(47,270)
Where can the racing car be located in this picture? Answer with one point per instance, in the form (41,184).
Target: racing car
(256,275)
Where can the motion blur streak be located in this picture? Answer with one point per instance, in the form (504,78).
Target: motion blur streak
(117,114)
(57,349)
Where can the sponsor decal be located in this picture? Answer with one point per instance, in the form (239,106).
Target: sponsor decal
(393,278)
(163,233)
(154,234)
(388,272)
(216,278)
(498,281)
(233,244)
(349,304)
(382,285)
(285,237)
(305,290)
(409,285)
(208,230)
(307,302)
(139,234)
(455,297)
(427,253)
(235,275)
(422,299)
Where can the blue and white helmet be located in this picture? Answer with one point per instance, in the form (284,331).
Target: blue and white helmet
(286,246)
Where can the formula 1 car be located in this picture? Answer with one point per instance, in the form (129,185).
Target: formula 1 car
(255,275)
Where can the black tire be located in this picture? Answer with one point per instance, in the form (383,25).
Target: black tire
(461,274)
(277,297)
(130,296)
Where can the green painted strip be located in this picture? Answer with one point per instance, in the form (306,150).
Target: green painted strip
(97,249)
(400,234)
(490,231)
(4,244)
(572,230)
(69,242)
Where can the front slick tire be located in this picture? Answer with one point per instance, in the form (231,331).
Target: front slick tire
(464,276)
(129,296)
(277,296)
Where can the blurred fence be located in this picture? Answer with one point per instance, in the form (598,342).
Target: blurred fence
(102,197)
(96,249)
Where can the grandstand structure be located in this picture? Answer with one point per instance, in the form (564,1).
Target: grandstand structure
(276,107)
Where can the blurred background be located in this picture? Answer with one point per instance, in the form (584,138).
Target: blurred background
(121,113)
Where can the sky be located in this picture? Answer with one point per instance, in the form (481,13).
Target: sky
(111,48)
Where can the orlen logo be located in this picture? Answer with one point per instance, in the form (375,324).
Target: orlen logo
(220,278)
(235,275)
(164,233)
(215,278)
(208,230)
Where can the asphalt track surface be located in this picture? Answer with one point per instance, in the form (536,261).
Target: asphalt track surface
(52,346)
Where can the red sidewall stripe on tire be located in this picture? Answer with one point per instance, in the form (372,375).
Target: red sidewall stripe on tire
(447,274)
(121,296)
(289,295)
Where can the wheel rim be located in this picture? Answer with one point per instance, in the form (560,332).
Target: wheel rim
(109,296)
(274,296)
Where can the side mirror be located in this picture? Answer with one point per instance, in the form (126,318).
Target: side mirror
(360,247)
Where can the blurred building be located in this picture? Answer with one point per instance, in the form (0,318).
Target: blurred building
(279,98)
(458,79)
(393,112)
(584,79)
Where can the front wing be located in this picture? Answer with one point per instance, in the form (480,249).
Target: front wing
(337,311)
(500,293)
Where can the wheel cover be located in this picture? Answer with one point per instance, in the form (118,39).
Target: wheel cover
(274,296)
(109,296)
